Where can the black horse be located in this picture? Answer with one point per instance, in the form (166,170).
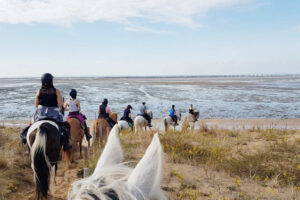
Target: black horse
(44,141)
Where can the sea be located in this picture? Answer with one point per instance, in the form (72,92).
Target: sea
(213,96)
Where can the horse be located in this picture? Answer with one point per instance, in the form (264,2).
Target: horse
(76,136)
(168,121)
(189,120)
(125,124)
(113,180)
(140,122)
(101,127)
(44,143)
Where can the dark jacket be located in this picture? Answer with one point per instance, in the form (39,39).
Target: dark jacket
(103,113)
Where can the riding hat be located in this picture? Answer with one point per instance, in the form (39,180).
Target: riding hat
(47,79)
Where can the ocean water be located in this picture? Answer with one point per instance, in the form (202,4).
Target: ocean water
(214,97)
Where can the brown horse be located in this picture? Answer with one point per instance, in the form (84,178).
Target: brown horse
(76,136)
(101,127)
(44,143)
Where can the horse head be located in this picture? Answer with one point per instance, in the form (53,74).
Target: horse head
(112,179)
(149,112)
(197,114)
(114,116)
(179,116)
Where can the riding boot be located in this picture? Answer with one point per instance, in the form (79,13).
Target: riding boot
(86,132)
(24,134)
(65,129)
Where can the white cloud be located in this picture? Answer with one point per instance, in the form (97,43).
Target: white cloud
(66,12)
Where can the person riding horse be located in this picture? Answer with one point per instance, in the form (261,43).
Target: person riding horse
(127,115)
(104,112)
(49,102)
(173,114)
(73,106)
(143,112)
(191,111)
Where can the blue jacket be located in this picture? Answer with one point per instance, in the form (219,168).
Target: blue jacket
(172,112)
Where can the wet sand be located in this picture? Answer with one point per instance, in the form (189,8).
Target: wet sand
(232,124)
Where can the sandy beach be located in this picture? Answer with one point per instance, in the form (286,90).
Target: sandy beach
(231,124)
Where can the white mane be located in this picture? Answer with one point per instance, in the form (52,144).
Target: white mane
(112,178)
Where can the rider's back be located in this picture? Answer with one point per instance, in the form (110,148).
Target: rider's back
(73,105)
(103,113)
(48,97)
(143,109)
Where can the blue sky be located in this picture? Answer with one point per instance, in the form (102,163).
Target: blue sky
(143,37)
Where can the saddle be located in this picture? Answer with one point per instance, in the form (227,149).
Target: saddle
(129,123)
(74,117)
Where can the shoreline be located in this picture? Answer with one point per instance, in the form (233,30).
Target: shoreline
(220,123)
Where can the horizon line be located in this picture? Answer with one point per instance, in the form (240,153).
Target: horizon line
(161,76)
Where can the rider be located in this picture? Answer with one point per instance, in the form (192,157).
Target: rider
(191,111)
(73,106)
(127,115)
(49,102)
(104,112)
(143,112)
(173,114)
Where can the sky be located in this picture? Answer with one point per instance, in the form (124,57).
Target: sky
(149,37)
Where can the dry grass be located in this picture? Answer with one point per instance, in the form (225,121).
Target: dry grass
(209,163)
(15,171)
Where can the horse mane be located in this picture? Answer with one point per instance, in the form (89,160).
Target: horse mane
(110,179)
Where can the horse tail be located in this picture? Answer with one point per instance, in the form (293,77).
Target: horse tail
(166,124)
(40,163)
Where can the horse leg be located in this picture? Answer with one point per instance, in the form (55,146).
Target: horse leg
(193,127)
(54,169)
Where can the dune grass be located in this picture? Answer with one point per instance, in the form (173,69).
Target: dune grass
(15,171)
(264,157)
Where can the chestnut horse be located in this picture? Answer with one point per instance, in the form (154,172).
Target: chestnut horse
(44,142)
(101,127)
(76,136)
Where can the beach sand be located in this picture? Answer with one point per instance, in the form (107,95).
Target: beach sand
(234,124)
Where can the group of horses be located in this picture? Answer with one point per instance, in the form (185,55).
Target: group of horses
(111,179)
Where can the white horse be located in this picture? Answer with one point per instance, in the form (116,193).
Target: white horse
(168,121)
(141,123)
(125,125)
(189,121)
(113,180)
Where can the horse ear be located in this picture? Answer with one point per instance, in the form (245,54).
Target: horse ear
(144,181)
(112,153)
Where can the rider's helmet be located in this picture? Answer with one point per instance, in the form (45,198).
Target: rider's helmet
(47,79)
(173,106)
(144,103)
(129,107)
(73,93)
(105,101)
